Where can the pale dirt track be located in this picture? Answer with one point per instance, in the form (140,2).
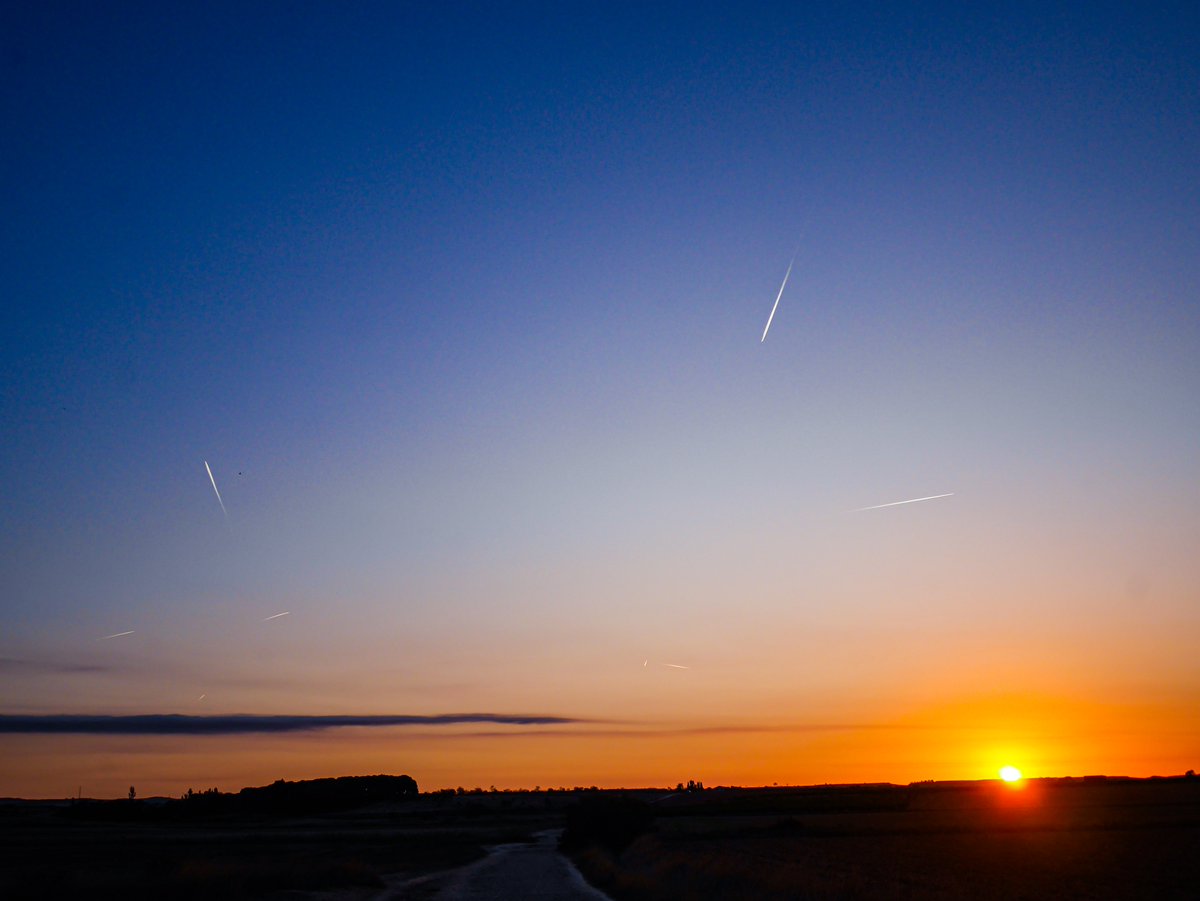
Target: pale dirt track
(516,872)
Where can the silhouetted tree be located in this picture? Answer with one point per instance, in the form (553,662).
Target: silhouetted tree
(132,793)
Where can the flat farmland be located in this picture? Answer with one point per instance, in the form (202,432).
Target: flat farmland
(1045,839)
(1086,839)
(47,851)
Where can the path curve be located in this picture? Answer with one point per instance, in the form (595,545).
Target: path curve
(533,871)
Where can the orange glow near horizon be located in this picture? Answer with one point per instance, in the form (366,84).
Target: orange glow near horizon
(967,740)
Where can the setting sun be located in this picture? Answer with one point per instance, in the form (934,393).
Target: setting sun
(1010,773)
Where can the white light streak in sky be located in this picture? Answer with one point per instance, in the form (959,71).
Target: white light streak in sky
(914,500)
(214,484)
(777,296)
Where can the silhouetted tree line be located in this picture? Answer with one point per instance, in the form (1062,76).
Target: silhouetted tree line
(280,798)
(321,795)
(537,790)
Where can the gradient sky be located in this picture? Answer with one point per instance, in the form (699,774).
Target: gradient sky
(462,304)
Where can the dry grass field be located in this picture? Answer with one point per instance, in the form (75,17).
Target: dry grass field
(1095,839)
(1049,839)
(47,853)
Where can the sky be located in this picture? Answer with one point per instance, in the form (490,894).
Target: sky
(462,305)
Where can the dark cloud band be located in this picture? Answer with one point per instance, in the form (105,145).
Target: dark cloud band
(241,724)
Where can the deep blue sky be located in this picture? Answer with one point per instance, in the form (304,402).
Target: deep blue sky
(462,303)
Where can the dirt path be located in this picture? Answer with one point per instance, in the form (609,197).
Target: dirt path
(517,872)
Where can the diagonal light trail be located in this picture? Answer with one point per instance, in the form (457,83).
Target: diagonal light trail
(114,635)
(777,296)
(914,500)
(277,615)
(214,484)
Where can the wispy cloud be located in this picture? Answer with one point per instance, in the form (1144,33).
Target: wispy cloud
(241,724)
(590,729)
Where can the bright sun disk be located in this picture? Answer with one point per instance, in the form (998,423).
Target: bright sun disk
(1010,773)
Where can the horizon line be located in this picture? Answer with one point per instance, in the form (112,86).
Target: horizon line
(1089,778)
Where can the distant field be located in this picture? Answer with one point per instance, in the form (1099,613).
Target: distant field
(1076,839)
(45,852)
(1052,839)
